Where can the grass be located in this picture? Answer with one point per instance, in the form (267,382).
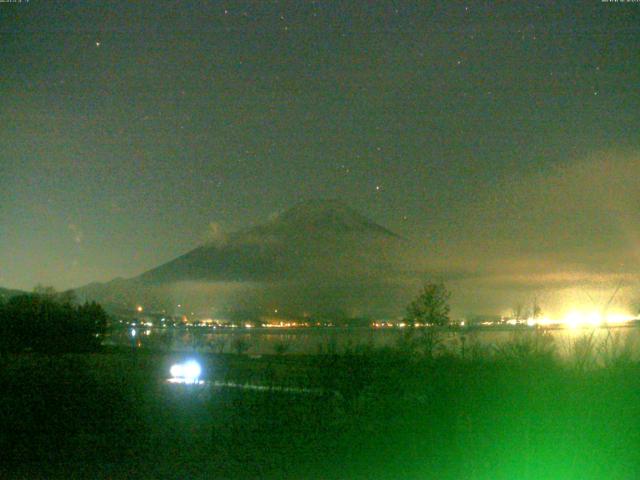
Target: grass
(517,412)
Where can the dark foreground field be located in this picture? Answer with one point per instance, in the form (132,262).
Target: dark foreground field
(376,414)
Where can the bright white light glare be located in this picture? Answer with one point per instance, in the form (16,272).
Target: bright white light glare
(188,372)
(192,370)
(176,370)
(133,332)
(593,318)
(573,320)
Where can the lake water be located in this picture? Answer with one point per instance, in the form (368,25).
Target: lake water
(259,341)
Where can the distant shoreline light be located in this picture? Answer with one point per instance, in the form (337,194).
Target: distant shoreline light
(580,319)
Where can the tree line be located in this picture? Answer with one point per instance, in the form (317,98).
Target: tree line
(50,322)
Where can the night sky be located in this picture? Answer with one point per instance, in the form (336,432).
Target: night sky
(502,138)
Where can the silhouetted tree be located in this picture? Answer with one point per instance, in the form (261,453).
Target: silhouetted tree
(518,313)
(45,291)
(431,307)
(45,321)
(536,310)
(91,323)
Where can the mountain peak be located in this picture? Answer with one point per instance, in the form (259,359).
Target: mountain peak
(311,257)
(325,215)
